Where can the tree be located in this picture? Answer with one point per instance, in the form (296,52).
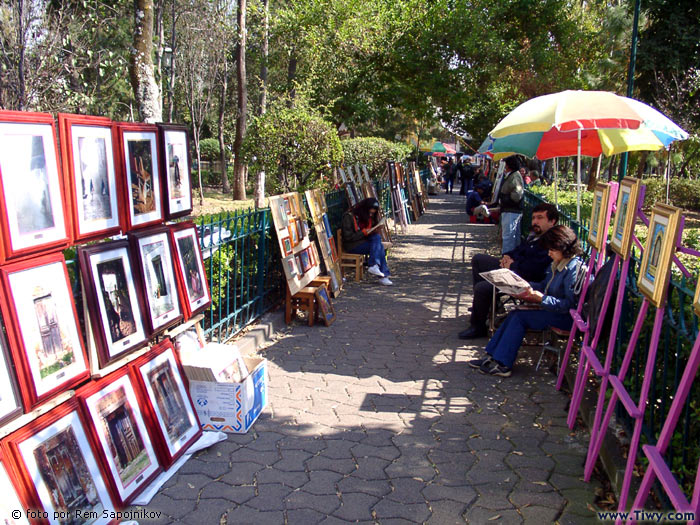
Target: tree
(141,71)
(239,167)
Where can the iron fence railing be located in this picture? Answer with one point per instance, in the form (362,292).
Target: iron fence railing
(680,328)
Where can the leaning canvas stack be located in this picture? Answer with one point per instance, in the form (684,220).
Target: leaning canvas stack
(325,236)
(89,419)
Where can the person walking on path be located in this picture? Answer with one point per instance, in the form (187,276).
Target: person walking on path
(359,224)
(529,261)
(450,174)
(510,200)
(552,298)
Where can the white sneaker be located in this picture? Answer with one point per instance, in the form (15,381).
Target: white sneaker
(385,281)
(374,270)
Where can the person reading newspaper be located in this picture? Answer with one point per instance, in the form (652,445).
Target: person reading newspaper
(552,298)
(528,260)
(359,227)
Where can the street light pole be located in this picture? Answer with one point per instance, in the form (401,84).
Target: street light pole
(630,74)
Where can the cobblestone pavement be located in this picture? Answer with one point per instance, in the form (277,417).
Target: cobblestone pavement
(378,419)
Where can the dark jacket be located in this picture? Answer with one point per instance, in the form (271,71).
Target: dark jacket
(558,286)
(529,260)
(510,196)
(473,200)
(352,234)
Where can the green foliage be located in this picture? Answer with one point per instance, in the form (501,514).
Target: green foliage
(566,199)
(295,146)
(683,193)
(209,149)
(221,265)
(374,152)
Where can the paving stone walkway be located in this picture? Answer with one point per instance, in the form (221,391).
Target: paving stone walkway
(377,418)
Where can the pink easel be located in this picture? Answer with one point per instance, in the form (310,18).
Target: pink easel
(635,411)
(597,259)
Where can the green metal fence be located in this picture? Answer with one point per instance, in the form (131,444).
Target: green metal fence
(680,327)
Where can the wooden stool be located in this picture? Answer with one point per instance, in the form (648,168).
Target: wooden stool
(304,299)
(353,261)
(322,280)
(560,336)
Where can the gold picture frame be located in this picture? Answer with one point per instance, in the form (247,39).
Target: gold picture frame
(625,216)
(696,299)
(599,214)
(653,276)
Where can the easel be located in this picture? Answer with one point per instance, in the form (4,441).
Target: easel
(619,392)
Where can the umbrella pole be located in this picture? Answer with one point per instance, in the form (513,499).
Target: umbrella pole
(578,180)
(556,182)
(668,173)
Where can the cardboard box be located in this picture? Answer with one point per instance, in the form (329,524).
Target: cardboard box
(227,406)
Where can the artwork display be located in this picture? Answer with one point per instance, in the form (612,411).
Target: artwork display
(33,216)
(90,173)
(176,168)
(56,459)
(625,216)
(157,276)
(169,403)
(325,306)
(195,294)
(598,227)
(282,211)
(120,430)
(660,246)
(293,233)
(48,349)
(291,265)
(287,246)
(325,236)
(141,178)
(116,313)
(306,261)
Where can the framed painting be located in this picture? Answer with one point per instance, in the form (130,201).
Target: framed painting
(116,312)
(89,169)
(140,174)
(300,267)
(293,233)
(304,228)
(625,216)
(189,269)
(176,168)
(286,246)
(169,409)
(287,206)
(47,347)
(291,266)
(658,252)
(598,226)
(33,216)
(118,428)
(325,306)
(57,464)
(15,497)
(156,273)
(306,262)
(282,211)
(10,397)
(334,250)
(327,225)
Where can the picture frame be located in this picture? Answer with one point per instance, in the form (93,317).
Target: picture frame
(140,173)
(325,306)
(174,144)
(625,216)
(696,299)
(151,250)
(195,295)
(10,397)
(598,227)
(171,416)
(15,496)
(33,216)
(52,358)
(116,308)
(90,172)
(333,249)
(293,233)
(112,408)
(305,259)
(281,209)
(287,206)
(291,266)
(660,246)
(304,228)
(327,226)
(300,267)
(286,246)
(57,465)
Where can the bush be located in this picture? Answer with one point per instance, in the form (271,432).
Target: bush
(374,152)
(209,148)
(683,193)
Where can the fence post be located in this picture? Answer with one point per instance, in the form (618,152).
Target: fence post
(262,217)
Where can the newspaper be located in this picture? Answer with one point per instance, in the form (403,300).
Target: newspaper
(506,281)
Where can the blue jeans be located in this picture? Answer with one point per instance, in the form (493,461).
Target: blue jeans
(375,249)
(510,230)
(505,343)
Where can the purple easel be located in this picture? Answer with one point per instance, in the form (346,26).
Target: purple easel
(597,258)
(620,392)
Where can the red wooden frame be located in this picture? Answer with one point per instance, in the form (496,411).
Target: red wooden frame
(7,252)
(83,395)
(189,309)
(65,124)
(12,374)
(135,240)
(165,174)
(28,389)
(20,475)
(91,290)
(154,428)
(157,181)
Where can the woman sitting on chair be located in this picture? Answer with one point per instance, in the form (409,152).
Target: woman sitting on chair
(551,299)
(359,236)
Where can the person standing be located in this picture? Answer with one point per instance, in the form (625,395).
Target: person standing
(450,175)
(510,201)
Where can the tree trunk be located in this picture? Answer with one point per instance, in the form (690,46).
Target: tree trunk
(195,139)
(225,183)
(291,77)
(592,174)
(143,80)
(21,79)
(239,166)
(265,55)
(171,73)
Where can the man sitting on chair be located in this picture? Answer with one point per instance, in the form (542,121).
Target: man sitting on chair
(529,261)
